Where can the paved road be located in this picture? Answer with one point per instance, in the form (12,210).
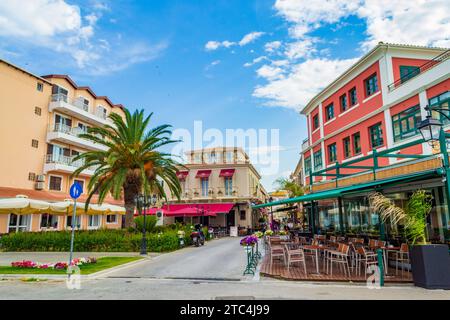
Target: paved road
(210,272)
(221,259)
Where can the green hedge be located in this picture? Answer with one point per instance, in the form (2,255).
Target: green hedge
(95,240)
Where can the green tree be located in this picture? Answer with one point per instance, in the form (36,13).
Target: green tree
(294,189)
(132,162)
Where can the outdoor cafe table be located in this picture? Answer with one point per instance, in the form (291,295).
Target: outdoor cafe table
(316,249)
(386,251)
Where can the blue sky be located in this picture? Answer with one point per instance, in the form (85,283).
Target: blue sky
(229,63)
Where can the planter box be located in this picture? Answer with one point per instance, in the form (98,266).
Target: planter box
(430,266)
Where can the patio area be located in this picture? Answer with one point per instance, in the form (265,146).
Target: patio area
(331,260)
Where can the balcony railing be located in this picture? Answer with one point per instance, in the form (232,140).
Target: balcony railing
(305,144)
(79,104)
(426,66)
(65,160)
(74,131)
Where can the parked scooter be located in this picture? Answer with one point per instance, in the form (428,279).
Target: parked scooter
(197,236)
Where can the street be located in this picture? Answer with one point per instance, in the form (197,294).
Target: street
(210,272)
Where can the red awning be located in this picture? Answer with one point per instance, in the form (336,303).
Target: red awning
(193,209)
(203,173)
(226,172)
(181,175)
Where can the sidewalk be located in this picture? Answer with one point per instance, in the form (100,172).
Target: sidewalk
(52,257)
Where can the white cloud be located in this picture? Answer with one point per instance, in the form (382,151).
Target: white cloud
(305,69)
(250,37)
(417,22)
(300,49)
(255,61)
(272,46)
(60,27)
(270,72)
(38,18)
(302,83)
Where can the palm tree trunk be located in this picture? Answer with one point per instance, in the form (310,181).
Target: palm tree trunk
(129,215)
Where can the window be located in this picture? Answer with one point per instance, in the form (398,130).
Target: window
(205,184)
(242,214)
(228,186)
(34,143)
(332,153)
(93,221)
(376,135)
(59,94)
(371,85)
(353,96)
(49,221)
(37,111)
(77,222)
(307,165)
(343,101)
(101,112)
(405,123)
(356,143)
(329,111)
(31,176)
(317,160)
(111,218)
(19,222)
(315,122)
(55,183)
(40,86)
(408,72)
(81,183)
(441,101)
(347,150)
(230,156)
(62,124)
(198,158)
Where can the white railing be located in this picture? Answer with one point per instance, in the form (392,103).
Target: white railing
(65,160)
(78,103)
(74,131)
(305,144)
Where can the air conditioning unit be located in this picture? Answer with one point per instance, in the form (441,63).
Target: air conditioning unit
(39,185)
(160,217)
(40,178)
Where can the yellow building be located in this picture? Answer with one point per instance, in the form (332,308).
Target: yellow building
(222,183)
(40,120)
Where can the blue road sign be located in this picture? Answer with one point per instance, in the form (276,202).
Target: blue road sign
(76,190)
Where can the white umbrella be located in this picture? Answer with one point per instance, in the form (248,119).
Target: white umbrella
(22,205)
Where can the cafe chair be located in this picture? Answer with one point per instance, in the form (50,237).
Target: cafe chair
(295,256)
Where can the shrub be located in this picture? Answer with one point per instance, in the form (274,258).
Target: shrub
(94,240)
(150,223)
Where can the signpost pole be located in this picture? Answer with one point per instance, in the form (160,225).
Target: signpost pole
(74,215)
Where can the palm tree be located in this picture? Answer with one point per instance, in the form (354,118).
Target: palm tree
(132,162)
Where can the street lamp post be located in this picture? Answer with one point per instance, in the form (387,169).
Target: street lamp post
(144,202)
(432,131)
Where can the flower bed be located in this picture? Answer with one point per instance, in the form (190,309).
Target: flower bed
(249,241)
(28,264)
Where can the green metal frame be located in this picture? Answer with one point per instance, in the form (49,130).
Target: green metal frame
(336,169)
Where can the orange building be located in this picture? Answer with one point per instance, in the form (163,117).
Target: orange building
(40,119)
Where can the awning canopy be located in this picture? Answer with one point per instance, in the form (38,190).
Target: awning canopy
(181,175)
(203,173)
(21,204)
(335,193)
(192,209)
(227,172)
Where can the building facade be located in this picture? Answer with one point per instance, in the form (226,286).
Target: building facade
(376,106)
(220,178)
(40,120)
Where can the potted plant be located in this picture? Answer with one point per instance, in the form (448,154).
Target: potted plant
(430,263)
